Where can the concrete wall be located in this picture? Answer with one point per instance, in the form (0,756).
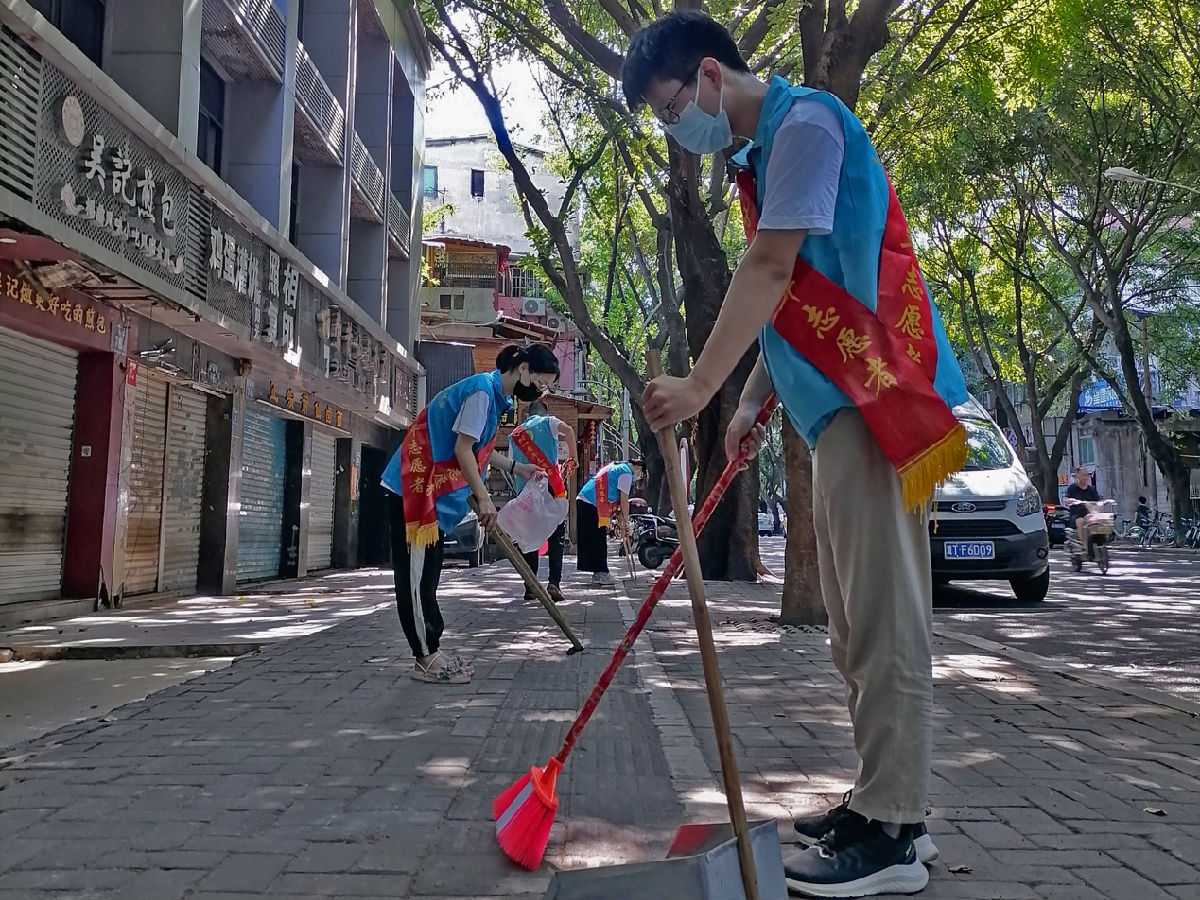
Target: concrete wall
(1121,466)
(494,217)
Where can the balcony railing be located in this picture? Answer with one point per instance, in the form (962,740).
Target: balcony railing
(322,120)
(247,38)
(399,226)
(368,181)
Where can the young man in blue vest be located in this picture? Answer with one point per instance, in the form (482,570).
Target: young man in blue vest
(858,356)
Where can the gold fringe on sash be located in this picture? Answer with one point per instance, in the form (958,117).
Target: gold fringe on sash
(921,476)
(419,535)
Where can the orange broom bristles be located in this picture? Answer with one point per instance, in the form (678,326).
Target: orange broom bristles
(525,812)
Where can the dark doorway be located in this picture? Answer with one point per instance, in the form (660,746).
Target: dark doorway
(374,535)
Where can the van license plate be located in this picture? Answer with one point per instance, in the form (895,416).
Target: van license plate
(970,550)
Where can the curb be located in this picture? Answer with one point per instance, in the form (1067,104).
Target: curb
(34,653)
(1075,672)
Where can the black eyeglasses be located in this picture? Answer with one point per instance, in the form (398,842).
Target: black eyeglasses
(669,115)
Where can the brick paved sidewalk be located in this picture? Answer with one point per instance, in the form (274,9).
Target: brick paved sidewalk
(1042,784)
(316,767)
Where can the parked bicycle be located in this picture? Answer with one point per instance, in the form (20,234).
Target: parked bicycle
(1159,531)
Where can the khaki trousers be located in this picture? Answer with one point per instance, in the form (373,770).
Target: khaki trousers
(878,590)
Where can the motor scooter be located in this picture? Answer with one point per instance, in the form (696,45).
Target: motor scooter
(654,539)
(1100,524)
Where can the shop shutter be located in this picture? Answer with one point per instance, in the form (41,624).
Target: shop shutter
(260,520)
(37,419)
(186,415)
(320,500)
(148,444)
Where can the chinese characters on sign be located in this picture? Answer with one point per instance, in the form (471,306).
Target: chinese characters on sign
(301,402)
(265,281)
(19,290)
(132,202)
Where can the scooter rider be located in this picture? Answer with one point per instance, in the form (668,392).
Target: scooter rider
(1079,494)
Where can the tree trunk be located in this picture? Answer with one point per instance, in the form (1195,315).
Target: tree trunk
(655,490)
(1179,480)
(802,603)
(1166,454)
(729,544)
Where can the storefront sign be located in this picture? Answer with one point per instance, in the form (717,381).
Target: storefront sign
(108,190)
(18,289)
(305,404)
(255,274)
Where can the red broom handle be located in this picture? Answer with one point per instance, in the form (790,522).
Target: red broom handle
(660,587)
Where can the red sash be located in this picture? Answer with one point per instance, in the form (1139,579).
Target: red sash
(526,444)
(604,506)
(884,361)
(423,481)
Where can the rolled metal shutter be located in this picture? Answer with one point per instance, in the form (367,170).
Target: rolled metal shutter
(143,541)
(323,469)
(260,521)
(186,429)
(37,421)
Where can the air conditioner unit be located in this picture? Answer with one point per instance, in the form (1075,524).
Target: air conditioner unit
(533,307)
(558,323)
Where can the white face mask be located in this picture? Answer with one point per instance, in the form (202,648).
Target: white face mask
(699,131)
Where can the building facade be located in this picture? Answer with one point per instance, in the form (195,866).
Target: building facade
(207,295)
(484,287)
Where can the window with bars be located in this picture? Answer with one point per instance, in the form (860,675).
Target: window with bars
(470,270)
(430,175)
(526,283)
(477,182)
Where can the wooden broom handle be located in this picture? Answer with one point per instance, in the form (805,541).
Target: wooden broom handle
(513,552)
(708,649)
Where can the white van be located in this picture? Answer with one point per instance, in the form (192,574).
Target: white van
(988,521)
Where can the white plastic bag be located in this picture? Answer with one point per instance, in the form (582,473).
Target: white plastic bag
(531,517)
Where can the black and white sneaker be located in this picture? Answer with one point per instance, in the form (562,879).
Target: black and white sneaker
(857,858)
(812,828)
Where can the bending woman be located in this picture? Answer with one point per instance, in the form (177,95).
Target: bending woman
(439,464)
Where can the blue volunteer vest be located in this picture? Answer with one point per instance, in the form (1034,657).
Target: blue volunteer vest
(441,412)
(849,256)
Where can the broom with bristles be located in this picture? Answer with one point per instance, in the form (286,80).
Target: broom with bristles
(525,811)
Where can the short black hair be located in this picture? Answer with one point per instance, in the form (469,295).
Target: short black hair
(540,357)
(671,48)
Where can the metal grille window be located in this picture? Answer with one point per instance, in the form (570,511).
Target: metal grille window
(477,182)
(470,270)
(431,180)
(80,21)
(526,283)
(212,117)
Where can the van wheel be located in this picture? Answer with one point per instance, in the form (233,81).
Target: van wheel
(1031,590)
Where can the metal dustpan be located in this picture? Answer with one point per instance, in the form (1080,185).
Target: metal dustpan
(701,864)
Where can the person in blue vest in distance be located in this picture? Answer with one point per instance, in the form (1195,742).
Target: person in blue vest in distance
(606,491)
(852,345)
(439,464)
(536,441)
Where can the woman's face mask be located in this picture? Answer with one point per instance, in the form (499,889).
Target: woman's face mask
(537,384)
(527,393)
(699,131)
